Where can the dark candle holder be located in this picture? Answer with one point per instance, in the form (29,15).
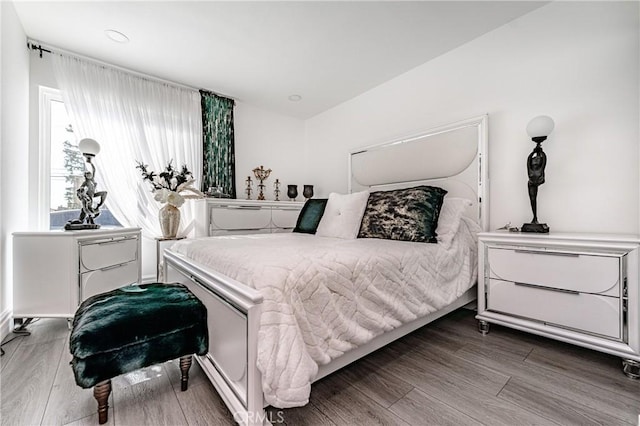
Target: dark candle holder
(307,191)
(292,192)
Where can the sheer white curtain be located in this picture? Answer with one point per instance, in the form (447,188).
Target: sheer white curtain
(133,119)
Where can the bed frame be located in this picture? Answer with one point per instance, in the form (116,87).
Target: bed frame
(453,157)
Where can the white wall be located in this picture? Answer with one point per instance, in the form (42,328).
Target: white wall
(268,139)
(577,62)
(14,144)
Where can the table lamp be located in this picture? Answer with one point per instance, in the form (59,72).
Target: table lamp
(538,129)
(87,191)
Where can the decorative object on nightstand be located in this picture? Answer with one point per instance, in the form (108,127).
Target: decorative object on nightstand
(539,128)
(217,192)
(276,191)
(578,288)
(292,192)
(87,191)
(307,191)
(167,188)
(248,183)
(261,174)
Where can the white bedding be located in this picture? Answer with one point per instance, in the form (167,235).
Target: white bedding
(325,296)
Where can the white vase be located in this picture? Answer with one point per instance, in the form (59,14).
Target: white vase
(169,217)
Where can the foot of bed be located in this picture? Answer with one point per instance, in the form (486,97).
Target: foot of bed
(631,368)
(483,327)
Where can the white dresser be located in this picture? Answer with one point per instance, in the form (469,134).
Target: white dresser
(216,216)
(578,288)
(53,271)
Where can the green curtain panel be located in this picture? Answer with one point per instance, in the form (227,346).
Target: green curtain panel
(219,150)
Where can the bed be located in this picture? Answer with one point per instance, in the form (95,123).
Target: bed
(287,309)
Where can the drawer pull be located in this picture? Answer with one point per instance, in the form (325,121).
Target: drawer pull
(245,207)
(104,242)
(541,287)
(550,253)
(106,268)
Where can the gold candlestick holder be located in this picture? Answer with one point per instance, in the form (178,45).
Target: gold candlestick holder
(261,174)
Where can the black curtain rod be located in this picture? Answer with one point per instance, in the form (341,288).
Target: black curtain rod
(39,48)
(42,49)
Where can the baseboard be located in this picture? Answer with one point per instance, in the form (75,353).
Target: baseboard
(149,279)
(5,324)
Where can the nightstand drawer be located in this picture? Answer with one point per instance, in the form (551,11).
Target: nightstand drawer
(586,312)
(585,273)
(102,280)
(97,255)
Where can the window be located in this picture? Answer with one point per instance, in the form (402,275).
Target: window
(61,166)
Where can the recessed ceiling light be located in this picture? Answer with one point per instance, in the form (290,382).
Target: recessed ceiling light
(295,98)
(116,36)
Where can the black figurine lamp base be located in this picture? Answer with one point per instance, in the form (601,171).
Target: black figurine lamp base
(540,228)
(70,226)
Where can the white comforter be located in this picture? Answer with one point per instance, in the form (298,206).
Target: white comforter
(325,296)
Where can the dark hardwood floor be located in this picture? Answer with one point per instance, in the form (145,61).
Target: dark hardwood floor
(444,374)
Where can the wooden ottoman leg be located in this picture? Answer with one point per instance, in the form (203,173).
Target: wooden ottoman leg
(101,392)
(185,364)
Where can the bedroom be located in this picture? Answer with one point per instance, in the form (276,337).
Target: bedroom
(577,62)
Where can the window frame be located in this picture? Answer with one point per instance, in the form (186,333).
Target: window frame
(46,95)
(42,176)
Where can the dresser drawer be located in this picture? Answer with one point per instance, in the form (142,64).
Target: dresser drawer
(240,217)
(101,280)
(586,312)
(284,218)
(586,273)
(107,253)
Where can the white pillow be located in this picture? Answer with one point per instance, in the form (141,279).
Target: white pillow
(342,215)
(452,211)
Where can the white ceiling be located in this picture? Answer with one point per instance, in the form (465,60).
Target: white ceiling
(262,52)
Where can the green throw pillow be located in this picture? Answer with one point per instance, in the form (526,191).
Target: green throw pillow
(310,215)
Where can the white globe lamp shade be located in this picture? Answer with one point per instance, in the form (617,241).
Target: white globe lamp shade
(540,126)
(89,146)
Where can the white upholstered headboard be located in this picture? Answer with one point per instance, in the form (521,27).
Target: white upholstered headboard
(453,157)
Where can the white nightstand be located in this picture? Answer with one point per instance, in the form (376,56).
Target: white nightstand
(54,271)
(578,288)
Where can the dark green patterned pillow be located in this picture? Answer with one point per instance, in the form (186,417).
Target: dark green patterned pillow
(310,215)
(409,214)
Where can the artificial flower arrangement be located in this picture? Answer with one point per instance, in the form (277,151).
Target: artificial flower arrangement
(168,185)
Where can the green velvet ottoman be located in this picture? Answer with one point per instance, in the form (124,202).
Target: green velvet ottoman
(133,327)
